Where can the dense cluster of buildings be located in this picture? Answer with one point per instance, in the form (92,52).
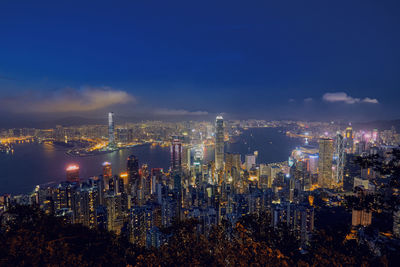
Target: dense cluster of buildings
(139,201)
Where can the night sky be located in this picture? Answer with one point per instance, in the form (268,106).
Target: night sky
(316,60)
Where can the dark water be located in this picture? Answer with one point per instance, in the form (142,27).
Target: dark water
(33,164)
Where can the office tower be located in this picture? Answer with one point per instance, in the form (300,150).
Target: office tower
(232,160)
(349,140)
(250,161)
(133,173)
(313,165)
(360,147)
(375,135)
(176,155)
(73,174)
(274,175)
(325,162)
(351,170)
(340,160)
(111,134)
(186,158)
(219,143)
(125,179)
(107,174)
(177,182)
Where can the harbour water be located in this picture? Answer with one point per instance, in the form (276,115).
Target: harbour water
(33,163)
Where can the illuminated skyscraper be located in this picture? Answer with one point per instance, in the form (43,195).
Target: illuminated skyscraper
(107,174)
(325,162)
(176,155)
(339,150)
(313,163)
(219,143)
(250,161)
(375,135)
(73,174)
(133,173)
(111,134)
(232,160)
(349,140)
(186,158)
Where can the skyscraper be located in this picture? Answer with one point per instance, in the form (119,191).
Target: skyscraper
(250,161)
(313,163)
(349,140)
(339,158)
(325,162)
(219,143)
(73,174)
(111,134)
(133,172)
(232,160)
(176,155)
(107,174)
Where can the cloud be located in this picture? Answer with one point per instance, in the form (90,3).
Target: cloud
(179,112)
(370,100)
(66,100)
(308,99)
(291,100)
(343,97)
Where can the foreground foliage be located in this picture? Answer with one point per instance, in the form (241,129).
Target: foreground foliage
(29,237)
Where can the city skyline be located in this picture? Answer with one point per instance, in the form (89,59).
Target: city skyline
(199,133)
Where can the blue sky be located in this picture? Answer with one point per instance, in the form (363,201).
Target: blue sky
(261,59)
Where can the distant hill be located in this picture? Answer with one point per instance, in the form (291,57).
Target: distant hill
(380,125)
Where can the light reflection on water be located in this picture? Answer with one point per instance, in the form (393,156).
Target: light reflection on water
(34,163)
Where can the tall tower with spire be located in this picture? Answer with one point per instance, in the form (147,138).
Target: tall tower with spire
(219,143)
(111,134)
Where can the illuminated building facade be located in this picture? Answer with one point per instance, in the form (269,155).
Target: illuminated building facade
(313,164)
(325,162)
(349,141)
(73,174)
(250,161)
(176,155)
(132,167)
(232,160)
(111,132)
(340,158)
(107,174)
(219,143)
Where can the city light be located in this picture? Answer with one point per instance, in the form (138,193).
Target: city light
(245,133)
(72,167)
